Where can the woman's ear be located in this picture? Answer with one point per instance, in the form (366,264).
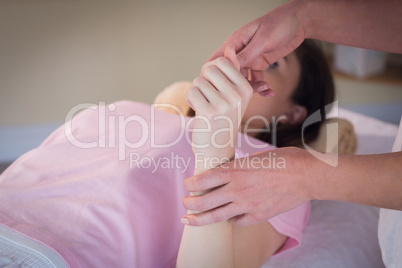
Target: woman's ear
(296,115)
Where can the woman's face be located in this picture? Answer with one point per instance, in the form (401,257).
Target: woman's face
(283,77)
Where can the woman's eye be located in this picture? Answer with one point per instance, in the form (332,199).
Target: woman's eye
(273,65)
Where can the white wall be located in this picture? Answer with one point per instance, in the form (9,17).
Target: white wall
(55,54)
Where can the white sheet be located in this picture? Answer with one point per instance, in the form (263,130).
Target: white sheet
(342,234)
(338,235)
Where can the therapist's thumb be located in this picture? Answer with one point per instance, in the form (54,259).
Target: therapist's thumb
(230,54)
(251,52)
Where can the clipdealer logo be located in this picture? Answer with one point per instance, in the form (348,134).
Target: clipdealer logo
(113,136)
(331,135)
(112,129)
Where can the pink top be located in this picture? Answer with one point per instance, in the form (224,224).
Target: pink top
(95,210)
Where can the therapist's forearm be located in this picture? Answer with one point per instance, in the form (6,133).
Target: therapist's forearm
(374,180)
(369,24)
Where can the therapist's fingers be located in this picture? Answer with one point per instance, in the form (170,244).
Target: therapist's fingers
(256,76)
(262,88)
(230,54)
(244,72)
(238,46)
(252,52)
(240,39)
(246,220)
(220,214)
(258,84)
(248,46)
(205,181)
(207,201)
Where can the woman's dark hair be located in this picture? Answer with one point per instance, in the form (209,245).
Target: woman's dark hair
(314,91)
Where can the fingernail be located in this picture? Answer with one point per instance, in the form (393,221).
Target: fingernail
(185,221)
(267,93)
(262,88)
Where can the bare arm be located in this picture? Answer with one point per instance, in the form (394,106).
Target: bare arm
(374,180)
(371,24)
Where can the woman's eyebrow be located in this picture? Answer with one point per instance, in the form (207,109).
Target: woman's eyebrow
(286,58)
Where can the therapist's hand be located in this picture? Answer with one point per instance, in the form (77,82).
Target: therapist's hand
(267,39)
(253,191)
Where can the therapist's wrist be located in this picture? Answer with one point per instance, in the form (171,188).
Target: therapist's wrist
(313,173)
(322,179)
(304,10)
(299,177)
